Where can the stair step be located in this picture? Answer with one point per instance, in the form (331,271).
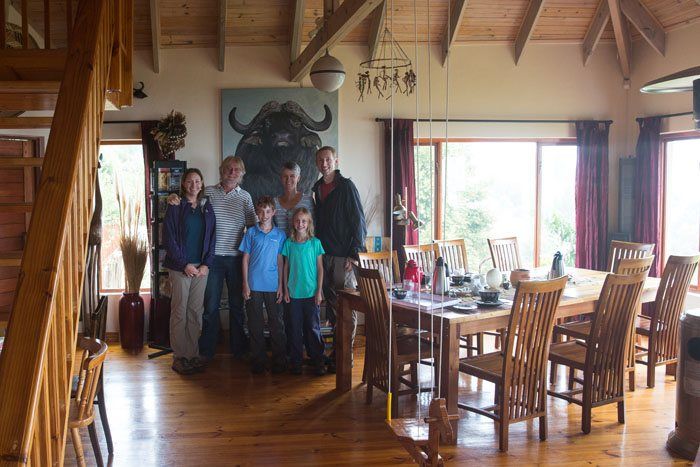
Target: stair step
(11,258)
(32,64)
(21,123)
(14,208)
(21,161)
(28,95)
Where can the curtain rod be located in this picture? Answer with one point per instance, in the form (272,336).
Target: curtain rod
(477,120)
(679,114)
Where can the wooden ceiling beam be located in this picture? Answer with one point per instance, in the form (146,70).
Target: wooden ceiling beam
(375,29)
(622,37)
(222,34)
(155,34)
(348,15)
(595,30)
(297,29)
(533,12)
(456,15)
(646,23)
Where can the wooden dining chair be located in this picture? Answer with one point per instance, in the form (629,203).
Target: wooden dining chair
(401,354)
(519,371)
(661,328)
(454,252)
(505,253)
(387,261)
(82,409)
(424,255)
(581,329)
(626,250)
(604,355)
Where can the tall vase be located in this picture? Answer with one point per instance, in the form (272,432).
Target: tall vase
(131,315)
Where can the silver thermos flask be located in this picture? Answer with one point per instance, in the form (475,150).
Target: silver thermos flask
(439,282)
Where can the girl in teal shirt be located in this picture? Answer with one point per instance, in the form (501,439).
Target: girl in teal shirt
(303,279)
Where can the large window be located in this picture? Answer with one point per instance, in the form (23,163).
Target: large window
(490,189)
(682,196)
(120,163)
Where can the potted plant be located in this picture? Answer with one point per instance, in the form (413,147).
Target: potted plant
(134,248)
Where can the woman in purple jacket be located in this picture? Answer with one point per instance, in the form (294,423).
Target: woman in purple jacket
(189,241)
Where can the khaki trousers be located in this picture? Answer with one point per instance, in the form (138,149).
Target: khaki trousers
(186,308)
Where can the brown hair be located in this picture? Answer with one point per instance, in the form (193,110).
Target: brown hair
(265,202)
(184,177)
(310,228)
(328,148)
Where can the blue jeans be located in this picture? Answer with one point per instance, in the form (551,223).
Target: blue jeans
(229,268)
(304,320)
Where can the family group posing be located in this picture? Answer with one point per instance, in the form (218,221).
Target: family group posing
(287,253)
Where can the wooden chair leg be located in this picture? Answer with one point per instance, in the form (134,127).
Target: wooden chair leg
(103,417)
(631,379)
(95,444)
(543,427)
(368,395)
(572,375)
(78,446)
(414,374)
(503,435)
(671,370)
(395,398)
(586,419)
(651,374)
(480,343)
(621,412)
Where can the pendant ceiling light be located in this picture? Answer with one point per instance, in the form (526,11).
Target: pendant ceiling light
(682,81)
(327,74)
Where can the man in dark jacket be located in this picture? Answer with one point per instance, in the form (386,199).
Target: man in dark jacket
(341,227)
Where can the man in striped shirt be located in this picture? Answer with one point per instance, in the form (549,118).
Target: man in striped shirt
(234,212)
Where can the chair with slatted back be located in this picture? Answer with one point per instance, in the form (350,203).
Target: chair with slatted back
(82,409)
(424,255)
(603,356)
(505,253)
(402,351)
(454,252)
(384,261)
(627,250)
(661,328)
(581,329)
(519,371)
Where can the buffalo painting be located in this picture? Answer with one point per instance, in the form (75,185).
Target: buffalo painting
(278,133)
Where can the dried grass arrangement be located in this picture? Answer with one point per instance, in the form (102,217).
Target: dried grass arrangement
(134,247)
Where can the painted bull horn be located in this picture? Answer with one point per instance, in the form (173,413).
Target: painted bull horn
(294,108)
(268,108)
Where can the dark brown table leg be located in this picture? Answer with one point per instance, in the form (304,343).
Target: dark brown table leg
(343,356)
(449,372)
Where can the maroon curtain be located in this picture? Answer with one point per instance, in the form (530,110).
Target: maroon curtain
(592,194)
(403,177)
(647,190)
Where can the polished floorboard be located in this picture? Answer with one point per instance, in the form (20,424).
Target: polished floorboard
(227,416)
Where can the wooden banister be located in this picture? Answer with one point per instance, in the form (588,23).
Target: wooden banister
(36,364)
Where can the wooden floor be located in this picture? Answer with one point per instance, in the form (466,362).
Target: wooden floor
(226,416)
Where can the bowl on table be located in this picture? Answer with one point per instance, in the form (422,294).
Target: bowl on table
(399,293)
(457,279)
(489,296)
(517,275)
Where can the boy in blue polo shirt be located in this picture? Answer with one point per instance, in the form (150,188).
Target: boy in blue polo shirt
(262,283)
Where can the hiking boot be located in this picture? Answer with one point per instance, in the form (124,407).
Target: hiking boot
(199,364)
(182,366)
(320,369)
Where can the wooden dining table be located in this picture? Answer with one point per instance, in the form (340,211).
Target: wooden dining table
(579,297)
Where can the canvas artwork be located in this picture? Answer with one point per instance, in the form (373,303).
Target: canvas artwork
(267,127)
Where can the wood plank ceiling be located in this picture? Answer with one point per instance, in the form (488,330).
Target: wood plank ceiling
(193,23)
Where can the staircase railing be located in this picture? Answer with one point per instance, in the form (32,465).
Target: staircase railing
(36,364)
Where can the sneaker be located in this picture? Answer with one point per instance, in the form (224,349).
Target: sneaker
(320,369)
(295,369)
(199,364)
(182,366)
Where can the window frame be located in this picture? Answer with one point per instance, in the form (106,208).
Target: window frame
(438,193)
(664,139)
(110,291)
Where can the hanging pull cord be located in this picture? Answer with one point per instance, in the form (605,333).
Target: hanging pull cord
(389,394)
